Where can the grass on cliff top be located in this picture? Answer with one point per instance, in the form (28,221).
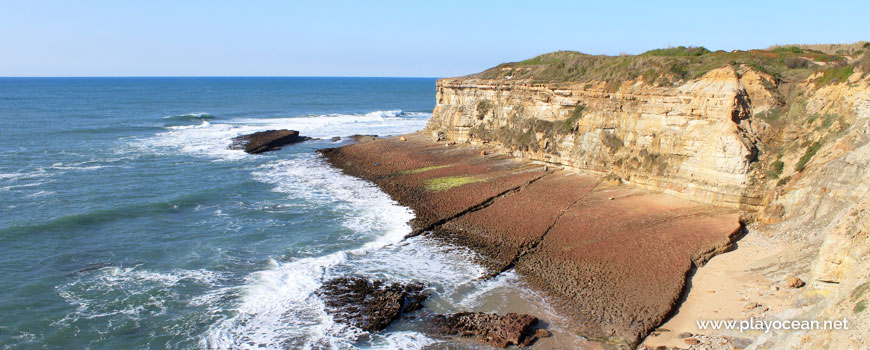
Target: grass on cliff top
(671,65)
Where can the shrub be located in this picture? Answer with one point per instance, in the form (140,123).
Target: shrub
(483,107)
(827,119)
(866,45)
(771,114)
(567,126)
(833,75)
(796,62)
(612,142)
(679,51)
(863,63)
(776,169)
(808,154)
(789,49)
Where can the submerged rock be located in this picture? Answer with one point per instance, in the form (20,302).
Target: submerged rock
(370,305)
(265,141)
(493,329)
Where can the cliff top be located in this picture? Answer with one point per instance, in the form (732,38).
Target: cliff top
(671,65)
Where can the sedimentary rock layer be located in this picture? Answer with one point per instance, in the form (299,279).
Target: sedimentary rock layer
(616,255)
(694,141)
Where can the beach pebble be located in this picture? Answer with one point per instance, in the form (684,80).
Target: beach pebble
(542,333)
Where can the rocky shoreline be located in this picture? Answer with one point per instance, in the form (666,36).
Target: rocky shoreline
(614,257)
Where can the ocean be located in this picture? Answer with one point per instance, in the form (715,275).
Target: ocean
(126,223)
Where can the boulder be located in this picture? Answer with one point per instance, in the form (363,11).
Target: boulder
(794,282)
(370,305)
(265,141)
(493,329)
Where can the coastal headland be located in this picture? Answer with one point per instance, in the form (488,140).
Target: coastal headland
(605,181)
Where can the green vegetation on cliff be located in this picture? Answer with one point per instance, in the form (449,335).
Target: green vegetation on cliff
(671,65)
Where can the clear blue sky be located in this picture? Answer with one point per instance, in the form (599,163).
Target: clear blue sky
(385,38)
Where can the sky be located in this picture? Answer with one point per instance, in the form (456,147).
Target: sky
(385,38)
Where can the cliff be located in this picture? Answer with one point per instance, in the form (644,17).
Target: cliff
(781,134)
(694,140)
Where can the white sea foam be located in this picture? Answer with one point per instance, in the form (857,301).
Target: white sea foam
(211,139)
(403,341)
(12,187)
(279,306)
(116,290)
(40,194)
(189,115)
(27,175)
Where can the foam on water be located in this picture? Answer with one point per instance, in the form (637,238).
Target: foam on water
(403,340)
(190,116)
(211,139)
(279,306)
(120,291)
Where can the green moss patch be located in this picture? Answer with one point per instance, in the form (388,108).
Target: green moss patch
(448,182)
(861,306)
(420,170)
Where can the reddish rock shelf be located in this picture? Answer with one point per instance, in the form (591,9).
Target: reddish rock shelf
(615,256)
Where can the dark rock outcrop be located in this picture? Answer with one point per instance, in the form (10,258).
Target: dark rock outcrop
(493,329)
(370,305)
(265,141)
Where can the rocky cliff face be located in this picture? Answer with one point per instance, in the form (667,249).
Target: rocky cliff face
(793,157)
(828,204)
(695,141)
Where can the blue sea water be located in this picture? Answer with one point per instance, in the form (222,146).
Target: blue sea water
(126,223)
